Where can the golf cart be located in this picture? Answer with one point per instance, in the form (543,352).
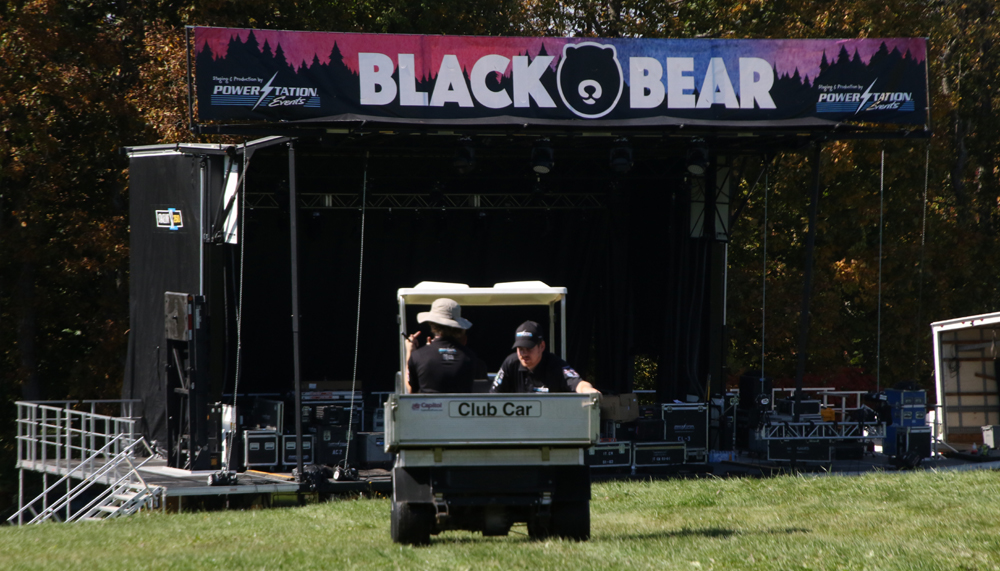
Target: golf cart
(482,462)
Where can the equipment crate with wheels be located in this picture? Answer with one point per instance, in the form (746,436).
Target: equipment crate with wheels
(609,455)
(652,454)
(800,450)
(371,446)
(289,457)
(907,440)
(688,423)
(909,415)
(896,397)
(260,448)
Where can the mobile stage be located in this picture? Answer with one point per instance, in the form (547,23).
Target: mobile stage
(358,164)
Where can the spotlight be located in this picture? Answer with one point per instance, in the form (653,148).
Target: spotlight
(621,156)
(541,157)
(697,160)
(465,156)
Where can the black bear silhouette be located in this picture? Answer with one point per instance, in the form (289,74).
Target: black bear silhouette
(589,79)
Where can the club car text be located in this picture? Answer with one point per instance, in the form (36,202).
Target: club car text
(468,409)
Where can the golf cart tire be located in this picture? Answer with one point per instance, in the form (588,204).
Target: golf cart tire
(539,528)
(411,523)
(571,520)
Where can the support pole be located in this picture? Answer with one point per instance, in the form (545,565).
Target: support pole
(293,209)
(20,494)
(807,281)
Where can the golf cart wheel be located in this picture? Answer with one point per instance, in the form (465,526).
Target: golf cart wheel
(571,520)
(539,527)
(411,523)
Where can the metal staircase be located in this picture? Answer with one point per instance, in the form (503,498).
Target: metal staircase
(124,493)
(98,457)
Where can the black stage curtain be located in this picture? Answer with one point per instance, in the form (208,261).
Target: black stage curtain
(161,260)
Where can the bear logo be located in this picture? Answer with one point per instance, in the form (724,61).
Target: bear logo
(590,79)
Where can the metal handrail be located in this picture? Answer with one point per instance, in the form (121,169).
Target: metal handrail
(49,435)
(113,488)
(88,480)
(52,437)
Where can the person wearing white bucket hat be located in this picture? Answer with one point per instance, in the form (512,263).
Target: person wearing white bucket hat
(445,364)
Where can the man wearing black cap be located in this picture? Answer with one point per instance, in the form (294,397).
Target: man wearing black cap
(445,364)
(532,369)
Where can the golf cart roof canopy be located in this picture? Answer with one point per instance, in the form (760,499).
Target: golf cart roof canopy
(508,293)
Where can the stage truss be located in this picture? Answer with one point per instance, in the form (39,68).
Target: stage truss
(822,431)
(449,201)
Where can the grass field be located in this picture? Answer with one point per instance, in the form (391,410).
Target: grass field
(910,521)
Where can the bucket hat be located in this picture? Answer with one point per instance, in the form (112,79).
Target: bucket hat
(445,312)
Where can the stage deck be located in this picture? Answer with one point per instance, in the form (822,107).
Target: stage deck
(178,485)
(182,483)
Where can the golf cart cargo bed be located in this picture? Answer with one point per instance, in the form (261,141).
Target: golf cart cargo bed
(462,421)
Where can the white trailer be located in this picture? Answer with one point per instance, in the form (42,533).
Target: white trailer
(965,378)
(482,462)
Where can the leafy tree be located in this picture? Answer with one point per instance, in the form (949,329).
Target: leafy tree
(63,226)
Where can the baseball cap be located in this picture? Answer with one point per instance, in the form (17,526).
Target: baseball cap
(528,335)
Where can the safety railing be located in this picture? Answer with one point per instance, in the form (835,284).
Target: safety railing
(125,492)
(841,401)
(53,438)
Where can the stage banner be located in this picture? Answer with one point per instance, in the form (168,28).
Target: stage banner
(274,76)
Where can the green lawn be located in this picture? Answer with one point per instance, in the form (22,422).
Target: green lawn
(922,520)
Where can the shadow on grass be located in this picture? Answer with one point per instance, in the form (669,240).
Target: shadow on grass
(453,538)
(711,532)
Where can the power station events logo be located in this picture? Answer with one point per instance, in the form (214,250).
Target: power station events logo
(254,92)
(840,98)
(170,219)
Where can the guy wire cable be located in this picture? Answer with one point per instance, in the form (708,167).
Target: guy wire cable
(357,325)
(881,211)
(923,238)
(763,285)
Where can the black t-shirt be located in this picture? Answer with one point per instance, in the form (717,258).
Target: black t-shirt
(442,366)
(552,375)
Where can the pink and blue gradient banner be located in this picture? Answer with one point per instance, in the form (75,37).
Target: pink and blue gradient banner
(271,75)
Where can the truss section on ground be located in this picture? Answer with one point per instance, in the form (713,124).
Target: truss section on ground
(779,430)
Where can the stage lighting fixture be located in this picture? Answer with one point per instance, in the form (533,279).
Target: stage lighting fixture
(621,156)
(465,156)
(542,159)
(697,160)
